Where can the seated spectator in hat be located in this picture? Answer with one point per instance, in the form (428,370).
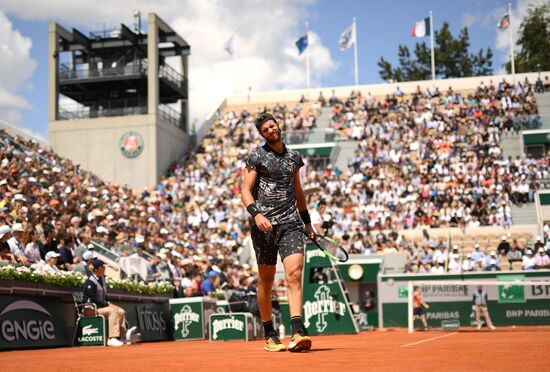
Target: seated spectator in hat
(528,260)
(477,254)
(84,266)
(208,286)
(492,256)
(50,267)
(542,260)
(468,264)
(493,265)
(455,265)
(16,246)
(5,252)
(503,246)
(32,248)
(95,291)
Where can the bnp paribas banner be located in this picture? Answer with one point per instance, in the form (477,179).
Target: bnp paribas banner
(31,322)
(326,309)
(508,302)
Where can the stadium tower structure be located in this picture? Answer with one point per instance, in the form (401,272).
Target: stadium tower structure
(116,107)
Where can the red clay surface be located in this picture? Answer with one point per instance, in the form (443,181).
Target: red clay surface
(519,349)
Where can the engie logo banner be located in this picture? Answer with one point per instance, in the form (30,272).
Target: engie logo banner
(27,322)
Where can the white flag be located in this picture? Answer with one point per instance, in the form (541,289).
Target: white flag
(229,45)
(347,38)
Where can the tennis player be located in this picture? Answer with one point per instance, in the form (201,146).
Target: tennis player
(273,195)
(418,306)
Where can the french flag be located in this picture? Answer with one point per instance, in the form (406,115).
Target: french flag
(421,28)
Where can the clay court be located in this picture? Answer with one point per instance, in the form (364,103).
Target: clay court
(524,349)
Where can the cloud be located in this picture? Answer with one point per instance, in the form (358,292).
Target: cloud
(16,68)
(502,41)
(469,19)
(265,32)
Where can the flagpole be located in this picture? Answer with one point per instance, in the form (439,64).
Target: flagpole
(307,58)
(432,44)
(512,62)
(235,67)
(355,53)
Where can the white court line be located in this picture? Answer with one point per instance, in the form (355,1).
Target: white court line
(429,339)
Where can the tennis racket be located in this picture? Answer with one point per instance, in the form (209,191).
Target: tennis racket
(330,247)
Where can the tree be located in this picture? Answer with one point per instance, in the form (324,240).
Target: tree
(452,59)
(534,41)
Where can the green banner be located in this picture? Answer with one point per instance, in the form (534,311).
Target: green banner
(91,331)
(509,293)
(325,307)
(30,322)
(188,321)
(236,326)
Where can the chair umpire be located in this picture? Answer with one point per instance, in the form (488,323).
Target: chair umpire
(95,291)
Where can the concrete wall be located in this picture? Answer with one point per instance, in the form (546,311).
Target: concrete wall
(94,145)
(374,89)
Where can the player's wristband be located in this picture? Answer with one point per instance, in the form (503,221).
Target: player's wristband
(253,210)
(305,217)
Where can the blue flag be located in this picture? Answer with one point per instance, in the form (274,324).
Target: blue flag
(301,44)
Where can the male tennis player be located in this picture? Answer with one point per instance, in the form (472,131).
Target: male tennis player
(273,195)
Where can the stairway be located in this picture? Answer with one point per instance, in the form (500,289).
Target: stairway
(543,103)
(511,146)
(524,215)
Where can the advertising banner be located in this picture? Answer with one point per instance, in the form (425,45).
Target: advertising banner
(31,322)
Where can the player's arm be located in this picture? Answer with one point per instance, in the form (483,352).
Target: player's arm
(249,180)
(301,203)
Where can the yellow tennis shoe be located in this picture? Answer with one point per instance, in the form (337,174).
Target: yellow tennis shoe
(299,341)
(272,343)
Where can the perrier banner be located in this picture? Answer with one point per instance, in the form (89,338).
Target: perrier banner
(189,317)
(326,309)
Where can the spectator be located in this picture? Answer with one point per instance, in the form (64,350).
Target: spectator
(5,251)
(542,260)
(84,267)
(468,264)
(32,248)
(207,286)
(514,254)
(504,246)
(477,254)
(528,260)
(50,267)
(16,247)
(437,268)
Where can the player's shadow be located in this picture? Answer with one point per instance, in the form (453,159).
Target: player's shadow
(316,349)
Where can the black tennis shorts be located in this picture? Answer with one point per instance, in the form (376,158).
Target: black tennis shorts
(418,311)
(287,239)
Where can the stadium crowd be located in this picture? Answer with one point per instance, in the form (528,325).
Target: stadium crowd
(429,160)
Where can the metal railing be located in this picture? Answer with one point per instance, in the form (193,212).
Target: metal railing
(171,75)
(103,109)
(138,67)
(172,116)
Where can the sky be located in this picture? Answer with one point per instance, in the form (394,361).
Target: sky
(265,32)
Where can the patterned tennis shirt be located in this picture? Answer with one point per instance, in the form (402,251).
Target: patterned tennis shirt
(273,191)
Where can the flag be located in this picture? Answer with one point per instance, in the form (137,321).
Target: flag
(229,45)
(302,43)
(504,22)
(347,38)
(421,28)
